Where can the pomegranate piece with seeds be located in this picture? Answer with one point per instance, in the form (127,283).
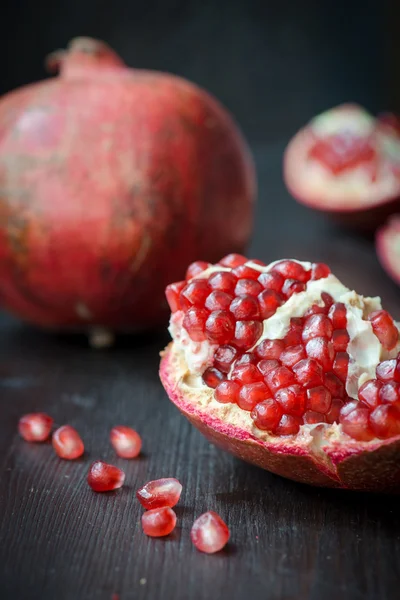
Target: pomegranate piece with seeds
(103,477)
(209,533)
(67,443)
(126,442)
(384,328)
(35,427)
(159,522)
(160,492)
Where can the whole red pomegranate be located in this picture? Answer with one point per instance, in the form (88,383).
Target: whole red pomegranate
(112,180)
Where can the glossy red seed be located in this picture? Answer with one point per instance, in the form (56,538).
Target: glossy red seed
(196,268)
(312,417)
(172,293)
(224,281)
(158,522)
(194,322)
(332,416)
(369,393)
(319,271)
(389,393)
(227,391)
(269,301)
(340,340)
(246,358)
(271,281)
(218,300)
(317,326)
(245,308)
(220,327)
(245,272)
(294,334)
(126,442)
(322,351)
(290,269)
(315,309)
(267,414)
(246,374)
(385,421)
(270,349)
(160,492)
(35,427)
(386,369)
(266,365)
(251,394)
(103,477)
(249,287)
(292,354)
(209,533)
(247,333)
(338,316)
(224,357)
(334,385)
(288,425)
(279,378)
(350,406)
(67,443)
(233,260)
(292,286)
(356,424)
(308,373)
(341,365)
(384,328)
(292,400)
(327,299)
(319,399)
(194,294)
(212,377)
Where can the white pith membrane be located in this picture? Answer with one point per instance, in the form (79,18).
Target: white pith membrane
(310,180)
(364,349)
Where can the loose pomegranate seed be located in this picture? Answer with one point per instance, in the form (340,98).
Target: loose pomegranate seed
(340,340)
(223,281)
(247,333)
(264,366)
(246,358)
(311,417)
(356,424)
(389,393)
(292,286)
(35,427)
(159,522)
(245,272)
(244,308)
(332,416)
(317,326)
(270,349)
(220,327)
(227,391)
(246,374)
(292,355)
(369,393)
(385,421)
(224,357)
(103,477)
(209,533)
(384,328)
(269,301)
(233,260)
(386,369)
(267,414)
(67,443)
(251,394)
(279,378)
(341,365)
(249,287)
(196,268)
(160,492)
(288,425)
(334,385)
(338,316)
(308,373)
(126,442)
(294,334)
(194,294)
(291,270)
(212,377)
(292,400)
(218,300)
(322,351)
(194,322)
(172,293)
(271,281)
(319,271)
(319,399)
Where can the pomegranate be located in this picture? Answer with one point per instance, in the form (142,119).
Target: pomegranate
(346,163)
(388,247)
(314,395)
(109,175)
(103,477)
(209,533)
(159,521)
(161,492)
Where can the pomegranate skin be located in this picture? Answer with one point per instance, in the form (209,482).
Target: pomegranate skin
(110,176)
(349,466)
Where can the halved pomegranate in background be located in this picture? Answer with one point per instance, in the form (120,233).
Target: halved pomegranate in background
(347,163)
(312,394)
(388,247)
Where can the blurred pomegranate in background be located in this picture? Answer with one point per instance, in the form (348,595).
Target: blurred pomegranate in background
(112,180)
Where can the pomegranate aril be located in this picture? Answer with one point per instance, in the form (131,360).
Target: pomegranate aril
(269,301)
(294,334)
(327,299)
(219,327)
(369,393)
(227,391)
(290,269)
(319,399)
(126,442)
(322,351)
(349,407)
(267,414)
(224,357)
(317,326)
(194,294)
(223,281)
(332,416)
(271,281)
(289,425)
(341,365)
(338,316)
(389,393)
(356,424)
(67,443)
(386,369)
(160,492)
(251,394)
(247,333)
(249,287)
(279,378)
(340,340)
(315,309)
(385,421)
(194,322)
(245,272)
(292,355)
(233,260)
(245,359)
(266,365)
(270,349)
(218,300)
(292,400)
(308,373)
(292,286)
(245,308)
(334,385)
(209,533)
(103,477)
(35,427)
(196,268)
(172,293)
(384,328)
(212,377)
(246,374)
(312,417)
(158,522)
(341,151)
(319,271)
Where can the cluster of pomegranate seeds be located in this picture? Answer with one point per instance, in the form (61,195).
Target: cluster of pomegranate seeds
(103,477)
(67,443)
(343,151)
(209,533)
(159,522)
(158,493)
(126,442)
(35,427)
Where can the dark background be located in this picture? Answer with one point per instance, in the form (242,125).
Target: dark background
(274,65)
